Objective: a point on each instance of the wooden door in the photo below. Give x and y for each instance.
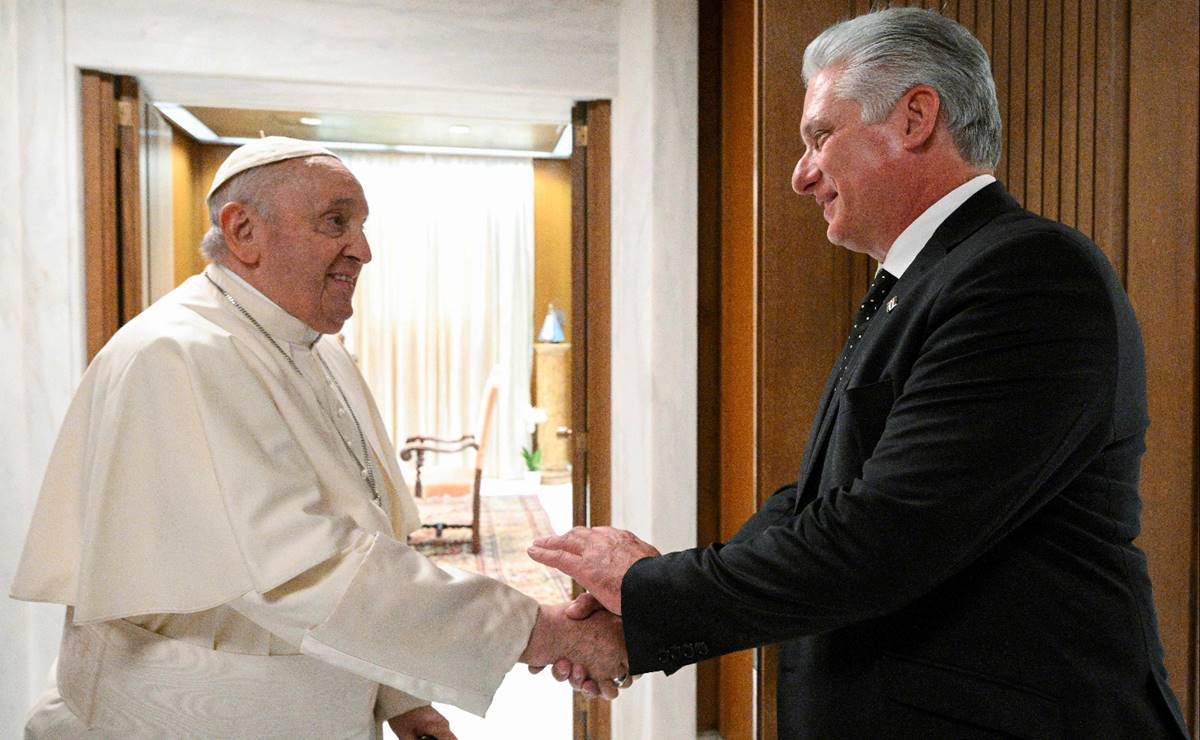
(127, 203)
(591, 335)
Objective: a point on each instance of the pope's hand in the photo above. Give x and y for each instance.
(421, 722)
(598, 558)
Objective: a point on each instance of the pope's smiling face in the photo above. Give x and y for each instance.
(314, 246)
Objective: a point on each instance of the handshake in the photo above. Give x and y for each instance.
(584, 640)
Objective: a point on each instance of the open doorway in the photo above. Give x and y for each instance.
(157, 233)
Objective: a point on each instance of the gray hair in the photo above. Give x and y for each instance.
(251, 188)
(884, 54)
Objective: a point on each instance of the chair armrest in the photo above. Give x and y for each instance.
(423, 438)
(408, 451)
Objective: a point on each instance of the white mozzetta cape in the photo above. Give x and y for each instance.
(194, 467)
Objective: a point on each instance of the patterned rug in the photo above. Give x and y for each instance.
(509, 524)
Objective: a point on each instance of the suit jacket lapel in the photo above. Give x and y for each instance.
(980, 209)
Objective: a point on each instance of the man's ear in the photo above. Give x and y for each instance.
(243, 230)
(919, 108)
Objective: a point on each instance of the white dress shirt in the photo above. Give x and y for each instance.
(913, 239)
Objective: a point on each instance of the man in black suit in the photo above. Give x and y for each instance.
(956, 558)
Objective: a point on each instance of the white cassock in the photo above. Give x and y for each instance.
(227, 574)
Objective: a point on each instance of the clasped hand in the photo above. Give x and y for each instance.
(598, 559)
(587, 644)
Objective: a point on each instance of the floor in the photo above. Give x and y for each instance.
(526, 706)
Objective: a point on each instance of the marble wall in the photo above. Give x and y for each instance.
(506, 58)
(41, 317)
(654, 160)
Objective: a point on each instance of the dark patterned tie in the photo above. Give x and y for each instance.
(880, 287)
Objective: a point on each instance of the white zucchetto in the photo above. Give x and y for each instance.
(267, 150)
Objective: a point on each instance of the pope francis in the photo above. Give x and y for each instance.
(223, 517)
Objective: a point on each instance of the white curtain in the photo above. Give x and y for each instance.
(448, 295)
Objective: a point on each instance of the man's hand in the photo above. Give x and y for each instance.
(421, 722)
(594, 645)
(598, 558)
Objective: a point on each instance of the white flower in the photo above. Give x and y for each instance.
(532, 416)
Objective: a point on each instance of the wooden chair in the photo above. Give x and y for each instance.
(435, 480)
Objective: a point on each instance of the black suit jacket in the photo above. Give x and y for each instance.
(956, 559)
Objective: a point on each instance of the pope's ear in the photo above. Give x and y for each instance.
(242, 228)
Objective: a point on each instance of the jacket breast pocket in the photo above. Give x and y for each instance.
(861, 416)
(954, 702)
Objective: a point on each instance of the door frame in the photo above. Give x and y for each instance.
(591, 336)
(110, 109)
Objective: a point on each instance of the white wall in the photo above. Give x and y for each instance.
(505, 58)
(41, 327)
(654, 316)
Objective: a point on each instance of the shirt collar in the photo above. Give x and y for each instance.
(277, 322)
(913, 239)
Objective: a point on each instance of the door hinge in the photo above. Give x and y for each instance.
(125, 112)
(581, 135)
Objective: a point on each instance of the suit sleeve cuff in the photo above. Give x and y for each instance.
(649, 645)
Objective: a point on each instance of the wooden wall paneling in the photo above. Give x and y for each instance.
(797, 303)
(965, 13)
(1000, 71)
(708, 339)
(1164, 166)
(1018, 127)
(981, 24)
(1085, 194)
(1068, 169)
(1051, 106)
(1035, 91)
(1112, 129)
(740, 137)
(851, 272)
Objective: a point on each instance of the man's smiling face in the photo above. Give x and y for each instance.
(850, 168)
